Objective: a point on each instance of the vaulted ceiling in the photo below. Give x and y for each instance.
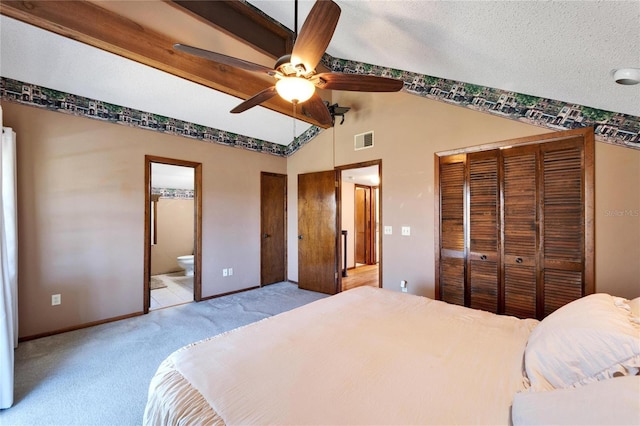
(120, 51)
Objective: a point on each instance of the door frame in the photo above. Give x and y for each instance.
(339, 248)
(197, 220)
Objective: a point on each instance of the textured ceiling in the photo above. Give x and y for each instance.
(562, 50)
(35, 56)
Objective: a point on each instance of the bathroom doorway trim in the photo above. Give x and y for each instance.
(197, 220)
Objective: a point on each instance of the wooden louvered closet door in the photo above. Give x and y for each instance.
(516, 224)
(484, 232)
(563, 222)
(451, 268)
(520, 231)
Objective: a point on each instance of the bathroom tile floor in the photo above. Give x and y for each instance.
(178, 290)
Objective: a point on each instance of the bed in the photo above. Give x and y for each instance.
(374, 356)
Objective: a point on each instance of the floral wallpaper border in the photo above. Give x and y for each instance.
(609, 127)
(183, 194)
(54, 100)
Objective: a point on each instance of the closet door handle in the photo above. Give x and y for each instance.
(483, 257)
(518, 260)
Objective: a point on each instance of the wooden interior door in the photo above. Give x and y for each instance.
(365, 221)
(373, 226)
(317, 232)
(360, 210)
(273, 202)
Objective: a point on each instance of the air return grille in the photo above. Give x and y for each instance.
(363, 140)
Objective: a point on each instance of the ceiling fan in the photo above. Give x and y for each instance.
(295, 74)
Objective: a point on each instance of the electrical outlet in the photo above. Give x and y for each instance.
(225, 272)
(406, 231)
(230, 271)
(56, 299)
(404, 285)
(388, 230)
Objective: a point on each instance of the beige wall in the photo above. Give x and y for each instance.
(81, 202)
(408, 131)
(81, 215)
(617, 220)
(175, 234)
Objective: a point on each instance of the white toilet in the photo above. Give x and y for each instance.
(186, 263)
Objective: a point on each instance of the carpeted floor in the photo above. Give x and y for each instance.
(100, 375)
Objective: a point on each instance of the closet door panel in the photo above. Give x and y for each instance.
(520, 230)
(561, 287)
(452, 248)
(484, 230)
(520, 294)
(562, 210)
(451, 282)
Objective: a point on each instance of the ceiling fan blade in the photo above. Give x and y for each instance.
(316, 108)
(256, 99)
(315, 34)
(223, 59)
(357, 82)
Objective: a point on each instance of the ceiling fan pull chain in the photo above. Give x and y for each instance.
(295, 104)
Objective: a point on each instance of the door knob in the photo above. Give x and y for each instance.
(299, 237)
(518, 260)
(483, 257)
(265, 235)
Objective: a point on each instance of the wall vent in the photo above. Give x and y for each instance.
(363, 140)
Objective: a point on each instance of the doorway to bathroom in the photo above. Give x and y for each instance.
(173, 242)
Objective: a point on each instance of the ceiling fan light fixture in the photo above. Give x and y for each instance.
(295, 89)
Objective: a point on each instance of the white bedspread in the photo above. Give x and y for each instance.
(365, 356)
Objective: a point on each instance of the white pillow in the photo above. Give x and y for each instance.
(587, 340)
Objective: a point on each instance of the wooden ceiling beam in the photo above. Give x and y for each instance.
(238, 19)
(90, 24)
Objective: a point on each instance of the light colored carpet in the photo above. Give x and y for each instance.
(100, 375)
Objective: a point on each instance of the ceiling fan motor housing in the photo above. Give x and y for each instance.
(285, 67)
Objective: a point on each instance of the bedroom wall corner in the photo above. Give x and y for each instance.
(617, 220)
(81, 215)
(408, 131)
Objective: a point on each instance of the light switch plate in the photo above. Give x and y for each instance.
(406, 230)
(388, 230)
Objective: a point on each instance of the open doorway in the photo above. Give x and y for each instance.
(173, 226)
(360, 211)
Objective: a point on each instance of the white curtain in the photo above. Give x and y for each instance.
(8, 265)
